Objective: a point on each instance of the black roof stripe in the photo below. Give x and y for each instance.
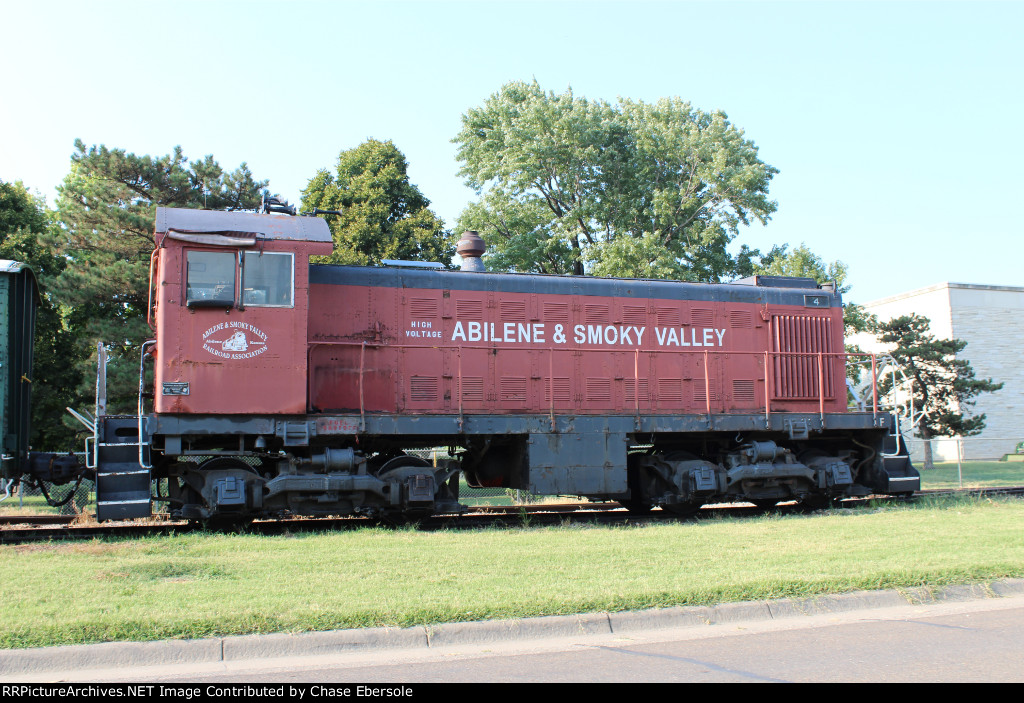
(640, 289)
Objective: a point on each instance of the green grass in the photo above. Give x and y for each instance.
(215, 584)
(976, 474)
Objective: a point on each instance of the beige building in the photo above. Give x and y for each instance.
(991, 320)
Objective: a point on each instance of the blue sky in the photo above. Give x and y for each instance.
(895, 126)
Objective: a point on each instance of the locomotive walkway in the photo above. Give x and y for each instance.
(208, 656)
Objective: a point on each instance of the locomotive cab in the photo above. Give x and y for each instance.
(234, 286)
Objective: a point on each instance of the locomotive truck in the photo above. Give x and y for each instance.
(284, 387)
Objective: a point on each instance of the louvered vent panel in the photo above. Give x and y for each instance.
(631, 387)
(743, 390)
(420, 308)
(670, 391)
(469, 309)
(669, 317)
(599, 390)
(556, 312)
(703, 317)
(741, 319)
(513, 389)
(700, 392)
(634, 314)
(598, 313)
(513, 311)
(423, 389)
(561, 390)
(801, 338)
(473, 389)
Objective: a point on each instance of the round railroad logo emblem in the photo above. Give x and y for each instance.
(235, 340)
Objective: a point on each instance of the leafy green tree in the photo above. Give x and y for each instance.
(944, 386)
(383, 215)
(24, 222)
(634, 189)
(106, 208)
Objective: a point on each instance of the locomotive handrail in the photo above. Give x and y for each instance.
(142, 390)
(149, 305)
(769, 377)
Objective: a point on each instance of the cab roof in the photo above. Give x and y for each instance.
(241, 224)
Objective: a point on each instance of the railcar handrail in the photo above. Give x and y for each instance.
(818, 358)
(142, 416)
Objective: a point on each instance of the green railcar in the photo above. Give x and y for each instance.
(19, 300)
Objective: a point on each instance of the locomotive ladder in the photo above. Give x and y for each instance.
(121, 459)
(122, 484)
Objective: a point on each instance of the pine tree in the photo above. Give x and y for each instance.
(107, 208)
(944, 386)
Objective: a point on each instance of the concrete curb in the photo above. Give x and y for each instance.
(248, 647)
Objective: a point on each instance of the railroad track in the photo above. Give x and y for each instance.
(21, 529)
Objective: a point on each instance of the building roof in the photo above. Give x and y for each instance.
(940, 286)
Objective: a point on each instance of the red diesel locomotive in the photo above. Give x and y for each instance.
(284, 387)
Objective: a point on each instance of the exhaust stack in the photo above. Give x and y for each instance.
(471, 247)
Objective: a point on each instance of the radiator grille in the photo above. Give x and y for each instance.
(801, 338)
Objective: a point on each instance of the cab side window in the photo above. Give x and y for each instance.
(268, 279)
(211, 279)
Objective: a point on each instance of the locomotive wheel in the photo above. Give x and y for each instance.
(681, 509)
(815, 501)
(399, 469)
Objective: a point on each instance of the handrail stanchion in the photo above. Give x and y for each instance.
(821, 387)
(874, 386)
(362, 404)
(767, 396)
(636, 385)
(551, 385)
(707, 387)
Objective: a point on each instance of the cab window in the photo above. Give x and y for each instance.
(211, 279)
(268, 279)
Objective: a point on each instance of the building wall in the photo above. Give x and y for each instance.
(989, 319)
